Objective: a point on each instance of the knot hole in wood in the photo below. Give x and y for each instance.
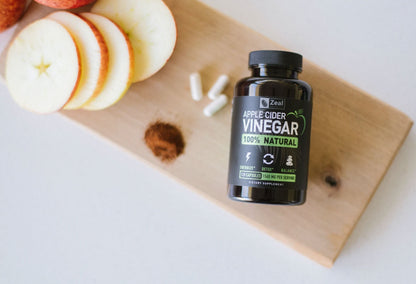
(330, 176)
(332, 181)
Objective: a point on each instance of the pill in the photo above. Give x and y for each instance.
(216, 105)
(196, 86)
(218, 87)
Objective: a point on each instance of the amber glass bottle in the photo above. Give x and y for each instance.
(270, 135)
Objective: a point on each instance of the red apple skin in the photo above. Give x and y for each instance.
(10, 12)
(64, 4)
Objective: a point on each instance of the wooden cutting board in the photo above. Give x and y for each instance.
(354, 136)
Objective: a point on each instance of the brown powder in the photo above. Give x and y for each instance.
(165, 140)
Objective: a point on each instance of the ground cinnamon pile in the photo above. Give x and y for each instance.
(165, 140)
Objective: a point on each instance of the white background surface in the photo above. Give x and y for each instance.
(73, 209)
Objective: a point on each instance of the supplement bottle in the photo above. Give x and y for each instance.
(270, 133)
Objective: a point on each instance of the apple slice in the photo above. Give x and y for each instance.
(94, 56)
(43, 67)
(150, 27)
(64, 4)
(120, 65)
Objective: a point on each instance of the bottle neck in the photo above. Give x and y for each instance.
(263, 71)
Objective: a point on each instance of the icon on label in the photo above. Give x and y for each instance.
(268, 159)
(264, 103)
(289, 161)
(248, 155)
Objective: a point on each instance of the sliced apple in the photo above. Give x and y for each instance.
(64, 4)
(120, 65)
(150, 27)
(94, 56)
(43, 67)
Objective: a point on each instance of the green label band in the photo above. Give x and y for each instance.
(267, 176)
(269, 140)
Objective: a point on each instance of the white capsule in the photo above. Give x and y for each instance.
(196, 86)
(216, 105)
(218, 87)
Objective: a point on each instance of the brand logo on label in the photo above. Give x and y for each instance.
(272, 103)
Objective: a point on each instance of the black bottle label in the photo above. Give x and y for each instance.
(270, 142)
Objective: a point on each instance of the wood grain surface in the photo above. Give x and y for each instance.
(355, 137)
